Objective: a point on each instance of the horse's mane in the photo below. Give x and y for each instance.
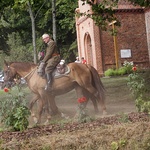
(23, 65)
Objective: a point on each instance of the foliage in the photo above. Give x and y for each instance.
(142, 104)
(125, 69)
(18, 51)
(136, 84)
(13, 110)
(2, 57)
(118, 145)
(122, 71)
(128, 65)
(82, 115)
(109, 72)
(12, 21)
(142, 3)
(123, 118)
(15, 20)
(140, 88)
(114, 72)
(103, 13)
(69, 52)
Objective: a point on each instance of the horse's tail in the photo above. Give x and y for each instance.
(97, 83)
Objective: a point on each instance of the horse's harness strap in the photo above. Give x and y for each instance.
(29, 73)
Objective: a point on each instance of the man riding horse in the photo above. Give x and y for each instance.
(50, 60)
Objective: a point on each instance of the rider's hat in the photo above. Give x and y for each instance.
(45, 35)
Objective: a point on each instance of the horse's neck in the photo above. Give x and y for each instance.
(25, 73)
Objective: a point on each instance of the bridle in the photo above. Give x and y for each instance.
(16, 75)
(7, 74)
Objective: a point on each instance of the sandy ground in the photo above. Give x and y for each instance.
(118, 100)
(68, 104)
(115, 104)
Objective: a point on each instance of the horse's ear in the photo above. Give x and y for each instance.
(5, 63)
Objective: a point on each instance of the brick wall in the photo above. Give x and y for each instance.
(131, 35)
(147, 23)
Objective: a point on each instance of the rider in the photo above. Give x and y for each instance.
(50, 60)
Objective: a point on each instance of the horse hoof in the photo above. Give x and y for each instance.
(64, 116)
(46, 122)
(35, 120)
(104, 113)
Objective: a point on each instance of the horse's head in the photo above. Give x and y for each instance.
(9, 74)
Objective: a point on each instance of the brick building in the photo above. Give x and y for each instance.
(132, 40)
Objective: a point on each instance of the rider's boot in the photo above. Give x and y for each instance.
(49, 80)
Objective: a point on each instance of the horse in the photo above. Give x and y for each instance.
(83, 78)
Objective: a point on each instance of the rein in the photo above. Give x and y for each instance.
(29, 73)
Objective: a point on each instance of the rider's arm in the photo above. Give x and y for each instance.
(49, 51)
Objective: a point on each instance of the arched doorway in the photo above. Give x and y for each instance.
(88, 48)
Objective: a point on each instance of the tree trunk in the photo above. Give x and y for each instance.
(33, 33)
(54, 20)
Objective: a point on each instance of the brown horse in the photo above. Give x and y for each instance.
(83, 78)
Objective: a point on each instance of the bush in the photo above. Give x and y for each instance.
(122, 71)
(109, 72)
(128, 66)
(13, 110)
(139, 84)
(112, 72)
(126, 69)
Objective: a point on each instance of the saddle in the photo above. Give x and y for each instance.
(60, 70)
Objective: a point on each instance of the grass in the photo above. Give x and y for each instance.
(117, 89)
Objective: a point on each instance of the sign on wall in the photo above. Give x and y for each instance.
(125, 53)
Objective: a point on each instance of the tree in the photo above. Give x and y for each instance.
(3, 31)
(66, 30)
(28, 6)
(16, 21)
(54, 19)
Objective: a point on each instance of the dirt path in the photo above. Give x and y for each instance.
(68, 104)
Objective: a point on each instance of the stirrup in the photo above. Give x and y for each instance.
(48, 87)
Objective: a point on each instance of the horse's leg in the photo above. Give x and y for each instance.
(44, 105)
(34, 99)
(94, 96)
(94, 101)
(40, 109)
(52, 105)
(80, 92)
(42, 102)
(54, 108)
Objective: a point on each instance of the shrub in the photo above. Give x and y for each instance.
(128, 66)
(126, 69)
(109, 72)
(136, 84)
(140, 87)
(122, 71)
(142, 104)
(13, 110)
